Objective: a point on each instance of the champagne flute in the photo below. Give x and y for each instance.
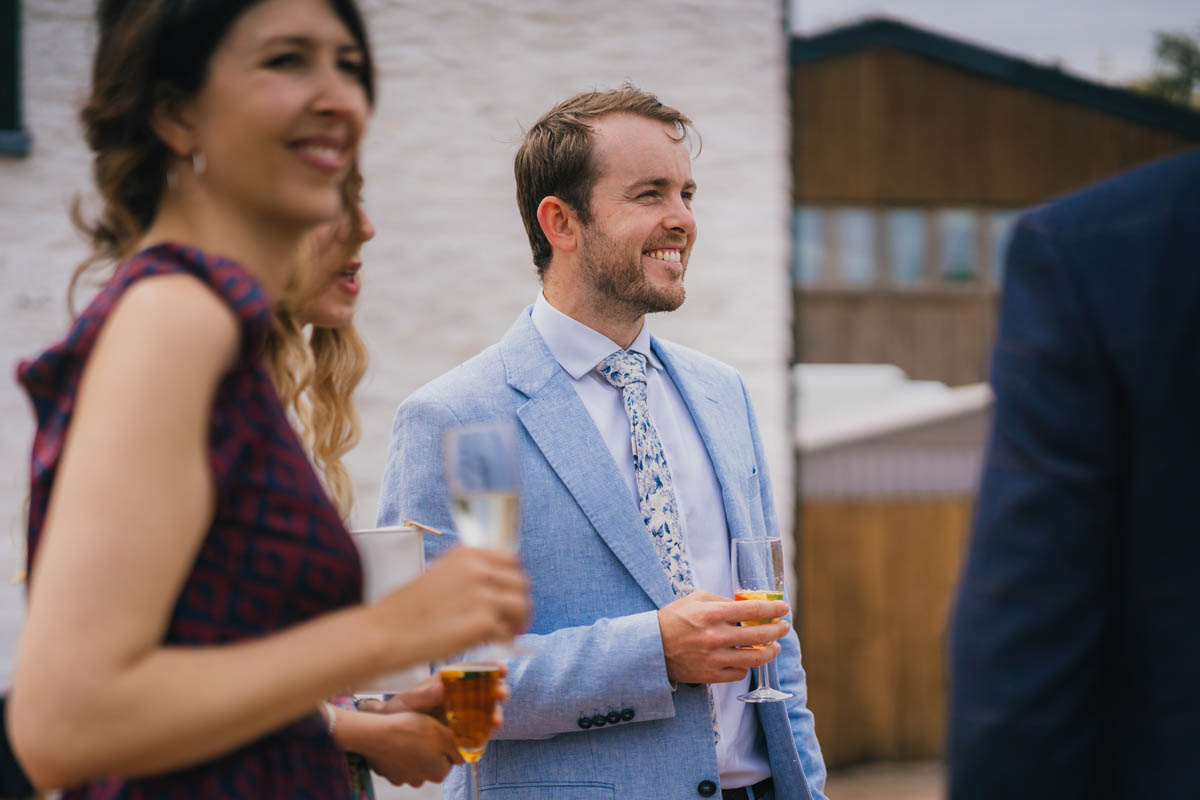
(469, 700)
(483, 474)
(758, 575)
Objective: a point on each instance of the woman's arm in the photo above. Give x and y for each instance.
(95, 693)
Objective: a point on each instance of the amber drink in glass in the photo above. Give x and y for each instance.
(469, 699)
(758, 575)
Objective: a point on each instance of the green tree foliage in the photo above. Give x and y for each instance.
(1177, 72)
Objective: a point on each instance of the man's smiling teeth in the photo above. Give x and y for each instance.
(664, 255)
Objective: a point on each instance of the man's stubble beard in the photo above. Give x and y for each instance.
(619, 282)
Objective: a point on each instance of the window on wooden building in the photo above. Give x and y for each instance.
(1002, 224)
(13, 139)
(958, 256)
(809, 253)
(859, 247)
(906, 245)
(855, 246)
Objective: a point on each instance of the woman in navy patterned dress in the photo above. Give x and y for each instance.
(187, 572)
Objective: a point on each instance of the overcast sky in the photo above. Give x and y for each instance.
(1104, 40)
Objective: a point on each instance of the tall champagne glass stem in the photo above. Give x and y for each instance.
(758, 575)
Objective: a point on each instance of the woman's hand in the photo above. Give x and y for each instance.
(426, 698)
(467, 597)
(405, 738)
(406, 747)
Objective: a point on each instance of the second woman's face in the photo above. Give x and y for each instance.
(281, 113)
(338, 248)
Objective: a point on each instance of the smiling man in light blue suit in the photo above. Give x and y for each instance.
(628, 686)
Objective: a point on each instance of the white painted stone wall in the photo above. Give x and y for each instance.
(450, 268)
(38, 249)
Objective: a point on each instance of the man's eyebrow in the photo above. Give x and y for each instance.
(662, 183)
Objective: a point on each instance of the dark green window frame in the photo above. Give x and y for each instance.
(14, 141)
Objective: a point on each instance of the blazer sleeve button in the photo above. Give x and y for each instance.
(626, 714)
(613, 717)
(599, 721)
(585, 722)
(706, 788)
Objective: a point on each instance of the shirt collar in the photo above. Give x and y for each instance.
(578, 348)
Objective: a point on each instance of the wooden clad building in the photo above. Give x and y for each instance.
(913, 155)
(886, 482)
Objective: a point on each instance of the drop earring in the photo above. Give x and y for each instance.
(199, 164)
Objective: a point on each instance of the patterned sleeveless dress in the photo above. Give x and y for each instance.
(277, 553)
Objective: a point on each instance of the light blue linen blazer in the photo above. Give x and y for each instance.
(597, 582)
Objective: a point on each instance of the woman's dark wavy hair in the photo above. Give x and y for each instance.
(150, 51)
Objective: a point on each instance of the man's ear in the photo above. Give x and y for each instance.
(172, 123)
(559, 223)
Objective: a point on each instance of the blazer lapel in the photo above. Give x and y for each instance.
(719, 413)
(716, 415)
(560, 426)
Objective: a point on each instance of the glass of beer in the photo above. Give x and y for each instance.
(469, 699)
(758, 575)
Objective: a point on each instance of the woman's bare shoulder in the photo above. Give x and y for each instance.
(174, 318)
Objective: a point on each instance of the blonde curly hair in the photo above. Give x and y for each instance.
(316, 373)
(316, 370)
(339, 362)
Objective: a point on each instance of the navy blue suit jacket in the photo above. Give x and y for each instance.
(1076, 632)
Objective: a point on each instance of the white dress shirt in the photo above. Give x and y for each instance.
(741, 753)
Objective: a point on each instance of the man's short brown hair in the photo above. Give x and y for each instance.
(555, 157)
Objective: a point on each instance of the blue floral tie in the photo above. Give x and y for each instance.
(626, 370)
